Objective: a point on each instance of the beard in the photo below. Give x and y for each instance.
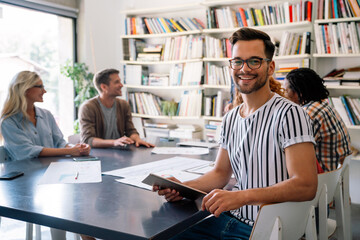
(260, 82)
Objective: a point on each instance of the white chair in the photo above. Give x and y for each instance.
(330, 187)
(29, 226)
(288, 220)
(346, 210)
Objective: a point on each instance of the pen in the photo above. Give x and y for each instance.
(77, 175)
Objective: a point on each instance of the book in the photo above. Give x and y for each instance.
(185, 191)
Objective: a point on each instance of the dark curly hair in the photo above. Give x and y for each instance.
(308, 85)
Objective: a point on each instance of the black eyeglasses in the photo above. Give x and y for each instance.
(39, 86)
(252, 63)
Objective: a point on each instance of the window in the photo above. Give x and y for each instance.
(41, 42)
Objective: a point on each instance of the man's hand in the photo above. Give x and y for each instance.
(139, 142)
(171, 195)
(123, 141)
(218, 201)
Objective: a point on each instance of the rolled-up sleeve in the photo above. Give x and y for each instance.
(17, 145)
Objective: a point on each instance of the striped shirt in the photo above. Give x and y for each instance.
(331, 135)
(256, 144)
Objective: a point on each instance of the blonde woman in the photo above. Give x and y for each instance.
(30, 131)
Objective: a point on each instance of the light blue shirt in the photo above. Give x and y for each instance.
(23, 140)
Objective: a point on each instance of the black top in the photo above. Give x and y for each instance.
(106, 210)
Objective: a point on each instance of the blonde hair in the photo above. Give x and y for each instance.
(16, 99)
(275, 86)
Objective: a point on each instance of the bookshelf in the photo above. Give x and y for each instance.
(321, 62)
(337, 47)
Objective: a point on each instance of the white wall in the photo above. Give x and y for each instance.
(99, 34)
(100, 26)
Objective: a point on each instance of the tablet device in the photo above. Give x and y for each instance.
(86, 158)
(185, 191)
(11, 175)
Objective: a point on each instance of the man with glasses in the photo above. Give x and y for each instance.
(266, 142)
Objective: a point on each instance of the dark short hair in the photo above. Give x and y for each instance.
(308, 85)
(103, 77)
(248, 34)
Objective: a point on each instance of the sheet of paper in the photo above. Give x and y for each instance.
(180, 150)
(175, 163)
(72, 172)
(137, 181)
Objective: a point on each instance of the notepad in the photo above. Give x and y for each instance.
(198, 144)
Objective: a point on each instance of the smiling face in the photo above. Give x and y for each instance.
(114, 87)
(249, 80)
(35, 93)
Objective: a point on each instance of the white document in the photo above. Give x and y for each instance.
(175, 167)
(175, 163)
(72, 172)
(180, 150)
(137, 181)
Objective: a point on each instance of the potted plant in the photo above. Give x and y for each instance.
(83, 86)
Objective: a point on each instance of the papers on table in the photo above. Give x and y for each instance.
(180, 150)
(175, 166)
(181, 175)
(72, 172)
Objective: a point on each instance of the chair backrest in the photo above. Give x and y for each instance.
(345, 212)
(288, 220)
(331, 180)
(74, 139)
(3, 155)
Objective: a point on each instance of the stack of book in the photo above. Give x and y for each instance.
(337, 38)
(217, 75)
(145, 103)
(185, 74)
(348, 109)
(158, 129)
(144, 25)
(345, 77)
(267, 15)
(159, 79)
(150, 53)
(184, 47)
(294, 44)
(328, 9)
(284, 69)
(210, 130)
(186, 131)
(214, 105)
(217, 48)
(190, 103)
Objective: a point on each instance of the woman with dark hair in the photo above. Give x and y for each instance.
(305, 87)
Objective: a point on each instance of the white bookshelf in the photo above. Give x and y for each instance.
(319, 62)
(160, 62)
(332, 55)
(161, 35)
(176, 88)
(212, 118)
(335, 20)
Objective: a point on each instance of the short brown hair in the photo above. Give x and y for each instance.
(103, 77)
(247, 34)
